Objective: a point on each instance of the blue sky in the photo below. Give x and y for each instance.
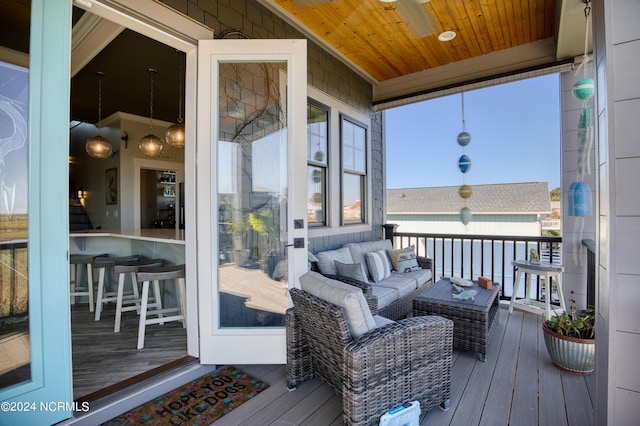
(515, 137)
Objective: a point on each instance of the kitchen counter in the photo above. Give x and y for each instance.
(172, 236)
(167, 244)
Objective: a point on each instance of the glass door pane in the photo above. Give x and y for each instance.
(15, 353)
(252, 194)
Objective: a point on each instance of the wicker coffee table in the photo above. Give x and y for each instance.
(473, 320)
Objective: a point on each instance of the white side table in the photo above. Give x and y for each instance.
(547, 270)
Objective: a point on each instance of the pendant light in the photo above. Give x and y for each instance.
(151, 145)
(175, 132)
(98, 146)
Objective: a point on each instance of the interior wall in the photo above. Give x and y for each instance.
(617, 59)
(89, 173)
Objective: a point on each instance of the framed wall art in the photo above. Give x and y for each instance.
(111, 186)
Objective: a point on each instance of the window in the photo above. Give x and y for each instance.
(353, 137)
(317, 143)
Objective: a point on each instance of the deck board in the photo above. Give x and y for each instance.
(501, 387)
(484, 393)
(524, 409)
(579, 407)
(549, 388)
(516, 385)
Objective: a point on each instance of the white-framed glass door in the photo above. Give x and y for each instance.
(251, 195)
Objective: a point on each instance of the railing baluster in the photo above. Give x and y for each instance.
(498, 265)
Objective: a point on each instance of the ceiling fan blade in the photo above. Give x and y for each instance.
(416, 17)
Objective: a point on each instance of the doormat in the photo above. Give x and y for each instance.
(201, 402)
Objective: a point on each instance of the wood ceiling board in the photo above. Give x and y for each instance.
(376, 38)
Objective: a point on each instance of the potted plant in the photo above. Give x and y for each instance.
(570, 340)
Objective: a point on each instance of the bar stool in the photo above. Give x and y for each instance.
(155, 274)
(103, 263)
(76, 262)
(131, 267)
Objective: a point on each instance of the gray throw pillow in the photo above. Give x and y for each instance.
(352, 270)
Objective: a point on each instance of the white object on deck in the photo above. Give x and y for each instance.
(548, 271)
(406, 414)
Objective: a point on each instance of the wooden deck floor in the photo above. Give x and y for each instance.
(517, 385)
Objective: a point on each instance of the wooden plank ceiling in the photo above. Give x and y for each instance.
(393, 39)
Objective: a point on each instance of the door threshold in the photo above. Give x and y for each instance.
(119, 398)
(135, 380)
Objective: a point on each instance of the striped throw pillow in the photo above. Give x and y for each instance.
(379, 265)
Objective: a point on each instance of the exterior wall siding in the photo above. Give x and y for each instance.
(617, 59)
(324, 72)
(524, 225)
(575, 229)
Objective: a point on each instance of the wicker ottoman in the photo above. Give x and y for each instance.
(473, 320)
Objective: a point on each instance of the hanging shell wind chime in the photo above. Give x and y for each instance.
(579, 202)
(464, 165)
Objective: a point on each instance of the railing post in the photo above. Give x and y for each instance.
(389, 231)
(591, 271)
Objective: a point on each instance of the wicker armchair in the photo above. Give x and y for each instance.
(381, 369)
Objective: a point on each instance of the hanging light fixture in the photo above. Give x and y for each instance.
(98, 146)
(151, 145)
(175, 132)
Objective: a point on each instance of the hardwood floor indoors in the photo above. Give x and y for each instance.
(102, 358)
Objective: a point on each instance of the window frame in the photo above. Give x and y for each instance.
(334, 171)
(364, 202)
(326, 166)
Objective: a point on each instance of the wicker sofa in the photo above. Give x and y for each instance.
(391, 298)
(375, 368)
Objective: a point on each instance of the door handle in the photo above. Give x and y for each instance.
(297, 243)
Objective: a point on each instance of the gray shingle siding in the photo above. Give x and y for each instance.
(324, 72)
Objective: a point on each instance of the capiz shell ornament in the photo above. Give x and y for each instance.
(464, 139)
(464, 163)
(584, 89)
(465, 191)
(465, 215)
(580, 203)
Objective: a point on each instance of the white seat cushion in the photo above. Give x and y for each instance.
(404, 285)
(326, 260)
(385, 295)
(421, 276)
(348, 297)
(382, 321)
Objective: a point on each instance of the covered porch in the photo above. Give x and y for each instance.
(517, 385)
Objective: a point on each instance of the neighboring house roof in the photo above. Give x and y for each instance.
(518, 198)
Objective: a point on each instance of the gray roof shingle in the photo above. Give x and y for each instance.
(528, 197)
